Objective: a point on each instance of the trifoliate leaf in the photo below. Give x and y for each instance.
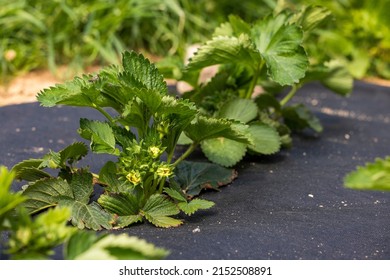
(194, 205)
(140, 73)
(223, 50)
(207, 128)
(90, 216)
(223, 151)
(121, 247)
(243, 110)
(280, 46)
(265, 139)
(125, 206)
(372, 176)
(100, 134)
(298, 117)
(157, 210)
(192, 177)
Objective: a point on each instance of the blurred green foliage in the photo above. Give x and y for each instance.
(44, 34)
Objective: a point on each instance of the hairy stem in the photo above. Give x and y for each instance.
(289, 95)
(104, 113)
(190, 149)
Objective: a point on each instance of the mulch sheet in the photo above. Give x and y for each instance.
(288, 206)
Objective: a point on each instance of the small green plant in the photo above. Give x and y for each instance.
(268, 53)
(372, 176)
(36, 237)
(142, 127)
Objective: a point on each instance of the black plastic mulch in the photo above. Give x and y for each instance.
(288, 206)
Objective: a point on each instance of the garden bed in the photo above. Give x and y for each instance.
(291, 205)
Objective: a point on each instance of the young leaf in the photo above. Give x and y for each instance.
(73, 152)
(243, 110)
(26, 165)
(120, 247)
(309, 17)
(224, 49)
(280, 46)
(332, 75)
(194, 205)
(223, 151)
(140, 73)
(207, 128)
(192, 177)
(265, 139)
(72, 93)
(372, 176)
(298, 117)
(157, 210)
(100, 134)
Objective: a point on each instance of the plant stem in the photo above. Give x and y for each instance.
(254, 80)
(100, 109)
(290, 95)
(190, 149)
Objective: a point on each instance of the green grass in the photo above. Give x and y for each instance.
(38, 34)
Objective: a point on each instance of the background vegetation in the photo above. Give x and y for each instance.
(44, 34)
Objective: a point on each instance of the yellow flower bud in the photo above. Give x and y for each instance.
(164, 171)
(154, 151)
(134, 177)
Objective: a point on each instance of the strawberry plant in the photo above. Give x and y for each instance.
(269, 53)
(36, 237)
(142, 126)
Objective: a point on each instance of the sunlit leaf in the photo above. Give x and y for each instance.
(372, 176)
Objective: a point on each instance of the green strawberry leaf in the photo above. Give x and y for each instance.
(206, 128)
(46, 193)
(73, 152)
(194, 205)
(114, 247)
(141, 74)
(90, 216)
(192, 177)
(157, 210)
(8, 199)
(372, 176)
(298, 117)
(223, 151)
(223, 50)
(125, 206)
(280, 46)
(100, 134)
(243, 110)
(309, 17)
(265, 139)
